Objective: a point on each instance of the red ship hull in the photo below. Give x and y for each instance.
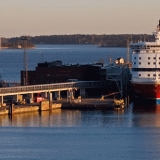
(149, 91)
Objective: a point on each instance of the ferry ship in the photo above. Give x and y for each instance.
(146, 68)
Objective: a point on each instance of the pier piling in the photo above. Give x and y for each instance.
(11, 109)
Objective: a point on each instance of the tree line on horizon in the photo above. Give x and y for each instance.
(119, 40)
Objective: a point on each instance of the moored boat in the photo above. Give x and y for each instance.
(146, 68)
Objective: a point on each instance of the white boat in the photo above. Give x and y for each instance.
(146, 68)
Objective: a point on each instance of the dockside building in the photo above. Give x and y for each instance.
(57, 72)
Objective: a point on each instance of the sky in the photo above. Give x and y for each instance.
(57, 17)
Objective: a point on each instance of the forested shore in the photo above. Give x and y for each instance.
(119, 40)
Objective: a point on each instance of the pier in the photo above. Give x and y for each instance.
(83, 104)
(75, 93)
(48, 89)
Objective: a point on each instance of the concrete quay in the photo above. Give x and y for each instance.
(72, 104)
(23, 108)
(88, 103)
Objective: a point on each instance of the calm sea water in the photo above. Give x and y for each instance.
(74, 134)
(12, 60)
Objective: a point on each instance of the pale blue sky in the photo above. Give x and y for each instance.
(49, 17)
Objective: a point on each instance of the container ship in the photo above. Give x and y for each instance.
(146, 68)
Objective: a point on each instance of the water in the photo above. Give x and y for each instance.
(133, 133)
(74, 134)
(12, 61)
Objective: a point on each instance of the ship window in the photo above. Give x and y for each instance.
(149, 63)
(139, 75)
(159, 62)
(154, 57)
(153, 51)
(159, 57)
(139, 62)
(148, 75)
(134, 62)
(134, 57)
(149, 57)
(154, 75)
(154, 62)
(139, 57)
(159, 74)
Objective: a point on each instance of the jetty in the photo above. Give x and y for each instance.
(72, 104)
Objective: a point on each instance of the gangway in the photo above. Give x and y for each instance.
(49, 87)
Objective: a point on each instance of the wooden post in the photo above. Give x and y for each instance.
(11, 109)
(128, 100)
(50, 105)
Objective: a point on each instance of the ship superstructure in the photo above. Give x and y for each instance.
(146, 68)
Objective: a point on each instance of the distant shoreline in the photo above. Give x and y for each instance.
(16, 48)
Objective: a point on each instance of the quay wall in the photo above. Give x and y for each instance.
(14, 109)
(84, 104)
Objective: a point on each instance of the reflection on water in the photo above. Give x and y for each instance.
(46, 118)
(142, 115)
(146, 115)
(92, 134)
(64, 118)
